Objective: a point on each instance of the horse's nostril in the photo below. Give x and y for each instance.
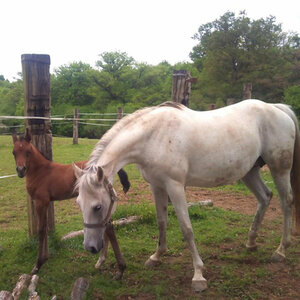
(93, 250)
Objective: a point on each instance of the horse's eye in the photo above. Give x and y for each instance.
(97, 208)
(14, 153)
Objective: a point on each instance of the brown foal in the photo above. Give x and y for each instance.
(49, 181)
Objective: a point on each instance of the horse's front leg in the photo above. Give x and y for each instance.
(115, 245)
(42, 217)
(177, 195)
(161, 202)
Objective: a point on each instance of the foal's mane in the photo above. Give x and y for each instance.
(111, 133)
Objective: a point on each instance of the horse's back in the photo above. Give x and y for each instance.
(219, 146)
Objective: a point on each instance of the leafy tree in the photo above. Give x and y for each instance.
(292, 97)
(70, 85)
(235, 50)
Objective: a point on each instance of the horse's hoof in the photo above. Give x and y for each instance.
(199, 285)
(251, 247)
(152, 263)
(98, 265)
(278, 257)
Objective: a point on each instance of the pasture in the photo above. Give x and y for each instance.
(220, 234)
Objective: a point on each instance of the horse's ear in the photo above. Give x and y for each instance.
(77, 171)
(100, 174)
(14, 136)
(27, 135)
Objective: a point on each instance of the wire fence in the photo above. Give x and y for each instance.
(59, 120)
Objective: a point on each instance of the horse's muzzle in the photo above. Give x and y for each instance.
(21, 171)
(94, 248)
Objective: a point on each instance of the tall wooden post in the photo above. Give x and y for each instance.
(181, 87)
(36, 78)
(247, 91)
(75, 126)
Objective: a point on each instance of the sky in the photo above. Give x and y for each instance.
(150, 31)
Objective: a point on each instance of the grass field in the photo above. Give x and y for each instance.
(231, 271)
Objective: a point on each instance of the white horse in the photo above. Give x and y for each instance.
(174, 147)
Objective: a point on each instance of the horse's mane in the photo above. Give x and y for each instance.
(111, 133)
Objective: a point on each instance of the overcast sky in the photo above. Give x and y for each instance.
(148, 30)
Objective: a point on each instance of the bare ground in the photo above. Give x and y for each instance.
(285, 281)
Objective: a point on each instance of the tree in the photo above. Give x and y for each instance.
(70, 85)
(235, 50)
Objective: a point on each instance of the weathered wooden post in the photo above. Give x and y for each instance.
(36, 78)
(247, 90)
(181, 87)
(75, 126)
(119, 113)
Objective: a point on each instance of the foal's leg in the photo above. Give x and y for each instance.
(177, 195)
(43, 252)
(161, 202)
(115, 245)
(263, 196)
(282, 182)
(103, 253)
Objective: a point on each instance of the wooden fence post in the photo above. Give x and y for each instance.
(247, 90)
(36, 79)
(181, 87)
(119, 113)
(75, 126)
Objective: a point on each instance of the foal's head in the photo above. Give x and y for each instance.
(97, 200)
(22, 151)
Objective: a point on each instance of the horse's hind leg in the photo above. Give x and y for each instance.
(161, 201)
(282, 182)
(263, 196)
(177, 195)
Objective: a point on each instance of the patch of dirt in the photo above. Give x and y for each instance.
(282, 284)
(237, 202)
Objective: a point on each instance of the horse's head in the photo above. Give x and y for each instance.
(97, 200)
(22, 150)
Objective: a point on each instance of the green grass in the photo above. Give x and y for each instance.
(232, 272)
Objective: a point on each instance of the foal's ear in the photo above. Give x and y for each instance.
(100, 174)
(14, 136)
(27, 135)
(77, 171)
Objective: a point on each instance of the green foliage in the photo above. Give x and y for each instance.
(292, 97)
(236, 50)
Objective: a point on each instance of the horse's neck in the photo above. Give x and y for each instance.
(37, 161)
(118, 154)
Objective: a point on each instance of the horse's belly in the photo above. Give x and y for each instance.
(218, 173)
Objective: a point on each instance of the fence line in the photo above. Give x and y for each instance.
(6, 176)
(49, 119)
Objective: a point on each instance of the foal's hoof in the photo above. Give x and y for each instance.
(251, 247)
(278, 257)
(199, 285)
(152, 263)
(98, 264)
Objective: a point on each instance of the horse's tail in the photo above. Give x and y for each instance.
(295, 173)
(124, 180)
